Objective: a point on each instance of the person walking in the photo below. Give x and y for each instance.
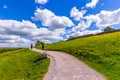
(42, 45)
(31, 46)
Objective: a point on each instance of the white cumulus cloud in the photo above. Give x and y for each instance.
(41, 1)
(13, 41)
(105, 18)
(102, 20)
(108, 18)
(92, 4)
(13, 27)
(77, 14)
(49, 19)
(47, 35)
(82, 25)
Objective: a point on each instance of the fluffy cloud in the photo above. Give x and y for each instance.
(8, 37)
(82, 25)
(13, 27)
(12, 30)
(92, 4)
(102, 20)
(105, 18)
(41, 1)
(47, 35)
(13, 41)
(49, 19)
(25, 45)
(77, 14)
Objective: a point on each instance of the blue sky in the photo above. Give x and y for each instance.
(24, 21)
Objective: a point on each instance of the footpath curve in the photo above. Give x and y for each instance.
(66, 67)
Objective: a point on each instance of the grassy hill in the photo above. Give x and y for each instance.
(101, 52)
(19, 65)
(2, 50)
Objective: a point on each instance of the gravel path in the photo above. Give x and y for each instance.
(66, 67)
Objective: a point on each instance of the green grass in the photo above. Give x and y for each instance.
(101, 52)
(2, 50)
(20, 65)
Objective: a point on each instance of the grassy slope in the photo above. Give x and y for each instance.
(101, 52)
(2, 50)
(19, 65)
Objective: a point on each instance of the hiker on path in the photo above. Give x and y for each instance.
(42, 45)
(31, 46)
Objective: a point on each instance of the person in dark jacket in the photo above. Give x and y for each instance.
(42, 45)
(31, 46)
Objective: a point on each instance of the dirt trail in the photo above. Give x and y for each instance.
(66, 67)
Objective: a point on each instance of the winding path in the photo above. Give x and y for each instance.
(66, 67)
